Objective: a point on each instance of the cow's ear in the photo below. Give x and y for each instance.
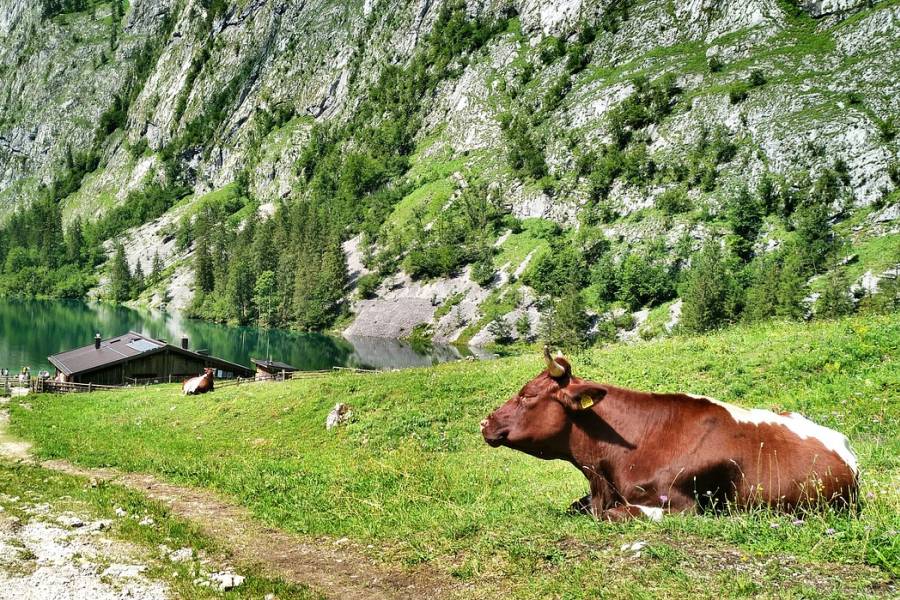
(581, 396)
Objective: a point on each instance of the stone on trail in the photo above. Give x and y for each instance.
(123, 571)
(146, 522)
(70, 521)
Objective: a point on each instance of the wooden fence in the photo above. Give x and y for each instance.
(41, 386)
(51, 386)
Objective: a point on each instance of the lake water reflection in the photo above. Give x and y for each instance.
(31, 330)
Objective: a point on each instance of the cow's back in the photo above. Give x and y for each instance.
(691, 449)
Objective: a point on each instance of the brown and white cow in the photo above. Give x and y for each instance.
(200, 384)
(647, 453)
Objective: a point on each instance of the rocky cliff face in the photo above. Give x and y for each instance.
(831, 92)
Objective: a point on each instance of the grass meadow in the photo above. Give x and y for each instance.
(410, 481)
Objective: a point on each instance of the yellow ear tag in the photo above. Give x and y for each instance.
(587, 402)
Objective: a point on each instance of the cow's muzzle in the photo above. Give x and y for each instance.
(492, 435)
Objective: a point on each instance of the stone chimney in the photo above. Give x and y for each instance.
(97, 342)
(184, 342)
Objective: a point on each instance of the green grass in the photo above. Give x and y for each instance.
(876, 254)
(411, 475)
(519, 245)
(65, 493)
(430, 198)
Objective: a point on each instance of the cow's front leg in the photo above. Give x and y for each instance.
(602, 495)
(582, 506)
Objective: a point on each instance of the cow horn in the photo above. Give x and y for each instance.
(553, 367)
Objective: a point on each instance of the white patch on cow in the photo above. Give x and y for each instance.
(797, 423)
(191, 385)
(654, 513)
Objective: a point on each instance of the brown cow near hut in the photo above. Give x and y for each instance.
(648, 453)
(200, 384)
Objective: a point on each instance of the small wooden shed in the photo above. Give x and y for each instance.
(271, 369)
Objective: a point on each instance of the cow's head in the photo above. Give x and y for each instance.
(208, 373)
(539, 418)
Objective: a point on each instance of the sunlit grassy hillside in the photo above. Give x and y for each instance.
(411, 477)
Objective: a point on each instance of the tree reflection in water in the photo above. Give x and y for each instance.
(31, 330)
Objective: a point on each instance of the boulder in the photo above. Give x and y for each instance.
(339, 415)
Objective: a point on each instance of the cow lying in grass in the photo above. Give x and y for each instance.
(198, 385)
(647, 453)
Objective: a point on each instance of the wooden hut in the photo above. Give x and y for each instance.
(135, 358)
(271, 369)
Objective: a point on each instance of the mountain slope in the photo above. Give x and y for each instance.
(630, 124)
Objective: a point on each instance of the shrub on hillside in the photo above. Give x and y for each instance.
(738, 92)
(644, 281)
(367, 284)
(886, 299)
(604, 279)
(577, 57)
(557, 269)
(555, 94)
(501, 330)
(483, 270)
(673, 201)
(551, 48)
(757, 78)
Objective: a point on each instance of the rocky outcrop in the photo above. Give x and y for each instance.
(820, 8)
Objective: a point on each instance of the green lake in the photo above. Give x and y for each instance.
(32, 330)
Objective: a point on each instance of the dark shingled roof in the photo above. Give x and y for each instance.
(273, 365)
(122, 349)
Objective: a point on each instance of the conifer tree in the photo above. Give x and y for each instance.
(835, 299)
(565, 323)
(203, 268)
(791, 286)
(240, 289)
(265, 298)
(74, 242)
(120, 276)
(156, 269)
(707, 291)
(137, 280)
(745, 217)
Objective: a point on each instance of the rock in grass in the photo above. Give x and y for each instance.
(339, 415)
(181, 555)
(101, 525)
(226, 581)
(634, 548)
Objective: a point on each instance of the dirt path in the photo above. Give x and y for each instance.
(330, 568)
